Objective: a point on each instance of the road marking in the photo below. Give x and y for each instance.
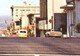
(36, 55)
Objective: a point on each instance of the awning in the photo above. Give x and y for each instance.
(67, 7)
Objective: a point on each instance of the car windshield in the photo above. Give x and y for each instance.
(22, 31)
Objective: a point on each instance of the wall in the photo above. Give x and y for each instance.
(58, 4)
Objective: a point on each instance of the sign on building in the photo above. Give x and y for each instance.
(42, 25)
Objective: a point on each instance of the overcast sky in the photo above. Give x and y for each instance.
(6, 4)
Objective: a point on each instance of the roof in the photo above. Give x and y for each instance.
(67, 7)
(24, 6)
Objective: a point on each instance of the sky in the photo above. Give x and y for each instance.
(6, 4)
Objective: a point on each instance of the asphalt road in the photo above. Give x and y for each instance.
(38, 45)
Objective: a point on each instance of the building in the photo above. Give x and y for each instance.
(20, 12)
(33, 24)
(43, 10)
(48, 8)
(73, 17)
(51, 12)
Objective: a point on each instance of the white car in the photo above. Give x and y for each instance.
(3, 35)
(22, 33)
(53, 33)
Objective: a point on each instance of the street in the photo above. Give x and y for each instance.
(38, 45)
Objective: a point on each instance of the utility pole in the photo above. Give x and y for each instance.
(50, 13)
(53, 14)
(6, 23)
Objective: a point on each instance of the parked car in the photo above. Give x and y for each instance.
(53, 33)
(22, 33)
(3, 35)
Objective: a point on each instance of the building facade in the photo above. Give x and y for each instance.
(20, 12)
(47, 10)
(73, 18)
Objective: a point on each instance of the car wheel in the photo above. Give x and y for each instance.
(47, 35)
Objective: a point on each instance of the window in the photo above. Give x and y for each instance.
(16, 12)
(17, 22)
(16, 9)
(22, 10)
(28, 10)
(34, 10)
(22, 15)
(22, 31)
(16, 15)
